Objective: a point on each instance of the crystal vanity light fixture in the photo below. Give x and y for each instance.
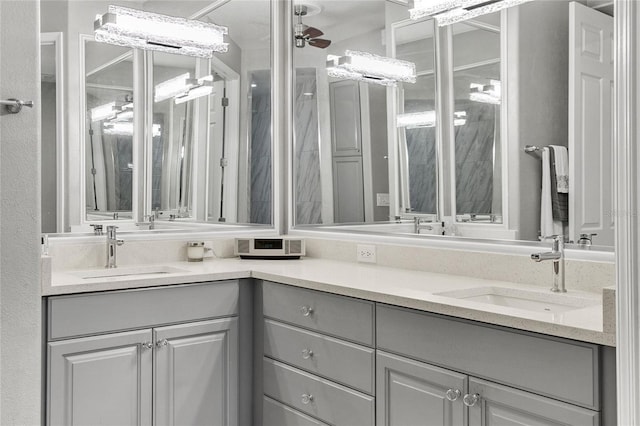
(183, 86)
(487, 93)
(104, 112)
(125, 113)
(415, 120)
(363, 66)
(125, 128)
(447, 12)
(152, 31)
(194, 93)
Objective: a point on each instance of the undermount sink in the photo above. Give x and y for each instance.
(128, 271)
(533, 301)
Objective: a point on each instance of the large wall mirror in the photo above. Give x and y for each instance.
(460, 150)
(144, 158)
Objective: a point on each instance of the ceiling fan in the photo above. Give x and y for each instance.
(305, 34)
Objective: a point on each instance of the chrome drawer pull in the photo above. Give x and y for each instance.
(147, 345)
(161, 343)
(307, 353)
(307, 398)
(471, 400)
(453, 394)
(306, 310)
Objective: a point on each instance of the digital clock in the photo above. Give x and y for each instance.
(269, 248)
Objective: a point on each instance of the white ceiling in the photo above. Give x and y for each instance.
(249, 20)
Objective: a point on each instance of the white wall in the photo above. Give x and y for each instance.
(20, 303)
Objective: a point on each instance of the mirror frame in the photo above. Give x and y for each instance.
(77, 216)
(57, 40)
(138, 110)
(594, 253)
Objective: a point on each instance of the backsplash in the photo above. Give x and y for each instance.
(88, 255)
(579, 274)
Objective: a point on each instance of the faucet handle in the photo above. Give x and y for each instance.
(586, 239)
(97, 228)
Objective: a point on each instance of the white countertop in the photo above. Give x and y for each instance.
(401, 287)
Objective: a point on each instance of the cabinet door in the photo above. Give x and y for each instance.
(346, 130)
(101, 380)
(196, 373)
(505, 406)
(413, 393)
(348, 190)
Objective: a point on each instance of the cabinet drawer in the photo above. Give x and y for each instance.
(553, 367)
(344, 362)
(95, 313)
(276, 414)
(340, 316)
(329, 402)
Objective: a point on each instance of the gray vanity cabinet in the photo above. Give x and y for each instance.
(439, 368)
(101, 380)
(177, 366)
(413, 392)
(319, 358)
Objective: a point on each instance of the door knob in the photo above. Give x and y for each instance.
(306, 310)
(453, 394)
(471, 400)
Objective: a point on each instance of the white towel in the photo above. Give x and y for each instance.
(562, 168)
(548, 226)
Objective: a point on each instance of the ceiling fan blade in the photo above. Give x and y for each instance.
(319, 42)
(312, 32)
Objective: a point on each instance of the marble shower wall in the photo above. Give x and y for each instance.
(260, 168)
(474, 156)
(308, 194)
(421, 154)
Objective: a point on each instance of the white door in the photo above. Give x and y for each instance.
(591, 125)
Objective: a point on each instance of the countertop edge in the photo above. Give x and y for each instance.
(235, 269)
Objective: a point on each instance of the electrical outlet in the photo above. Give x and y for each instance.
(382, 200)
(366, 253)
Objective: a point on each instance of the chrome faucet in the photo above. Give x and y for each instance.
(557, 255)
(150, 225)
(418, 225)
(112, 243)
(586, 240)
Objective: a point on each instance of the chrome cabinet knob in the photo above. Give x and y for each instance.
(161, 343)
(453, 394)
(307, 398)
(307, 353)
(147, 345)
(306, 310)
(471, 400)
